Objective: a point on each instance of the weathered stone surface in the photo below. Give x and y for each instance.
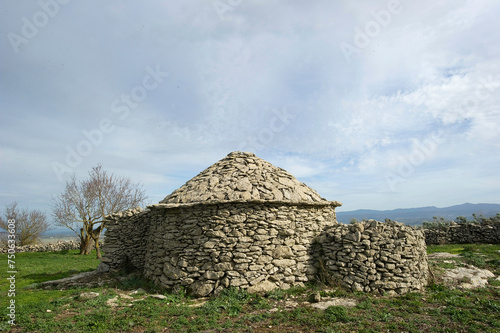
(469, 278)
(88, 295)
(243, 176)
(102, 267)
(262, 287)
(375, 256)
(172, 272)
(201, 288)
(211, 275)
(339, 301)
(284, 262)
(282, 252)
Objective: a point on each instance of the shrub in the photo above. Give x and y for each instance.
(337, 314)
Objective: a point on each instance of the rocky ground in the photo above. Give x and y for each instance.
(124, 298)
(449, 269)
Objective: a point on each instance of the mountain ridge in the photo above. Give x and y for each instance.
(417, 215)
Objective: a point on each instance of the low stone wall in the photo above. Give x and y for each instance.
(374, 256)
(256, 246)
(52, 247)
(464, 234)
(263, 246)
(126, 240)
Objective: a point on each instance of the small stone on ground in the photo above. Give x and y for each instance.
(327, 302)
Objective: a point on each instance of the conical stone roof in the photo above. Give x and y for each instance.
(243, 177)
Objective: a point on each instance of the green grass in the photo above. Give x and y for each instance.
(36, 267)
(437, 309)
(450, 248)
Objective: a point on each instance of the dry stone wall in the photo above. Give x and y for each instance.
(374, 256)
(125, 240)
(257, 246)
(50, 247)
(464, 234)
(260, 246)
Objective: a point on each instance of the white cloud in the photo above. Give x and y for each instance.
(352, 121)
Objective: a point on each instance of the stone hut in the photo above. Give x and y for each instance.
(245, 223)
(242, 222)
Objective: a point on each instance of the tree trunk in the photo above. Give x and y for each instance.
(96, 235)
(85, 245)
(85, 242)
(98, 249)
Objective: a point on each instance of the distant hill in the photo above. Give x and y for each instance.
(59, 231)
(415, 216)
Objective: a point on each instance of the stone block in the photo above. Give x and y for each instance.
(284, 262)
(237, 282)
(201, 288)
(262, 287)
(211, 275)
(224, 266)
(282, 252)
(172, 272)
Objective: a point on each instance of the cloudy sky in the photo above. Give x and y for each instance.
(377, 104)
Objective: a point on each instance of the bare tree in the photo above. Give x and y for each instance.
(30, 224)
(84, 204)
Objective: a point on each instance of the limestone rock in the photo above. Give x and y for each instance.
(158, 296)
(262, 287)
(327, 302)
(468, 278)
(88, 295)
(282, 252)
(200, 289)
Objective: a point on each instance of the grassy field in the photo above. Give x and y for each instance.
(118, 309)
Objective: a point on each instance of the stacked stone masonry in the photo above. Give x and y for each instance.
(245, 223)
(50, 247)
(374, 256)
(126, 240)
(464, 234)
(254, 246)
